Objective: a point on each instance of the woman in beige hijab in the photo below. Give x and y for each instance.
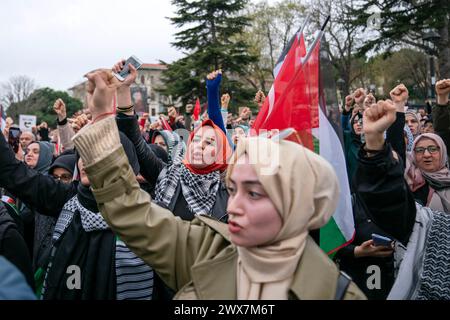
(278, 192)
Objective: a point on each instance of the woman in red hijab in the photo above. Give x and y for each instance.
(194, 185)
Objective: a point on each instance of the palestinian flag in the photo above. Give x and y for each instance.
(308, 105)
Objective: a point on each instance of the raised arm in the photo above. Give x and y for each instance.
(379, 180)
(212, 89)
(395, 133)
(441, 112)
(39, 191)
(127, 122)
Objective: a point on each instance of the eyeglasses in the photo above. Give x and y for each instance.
(431, 149)
(64, 177)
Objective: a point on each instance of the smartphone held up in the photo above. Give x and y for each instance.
(126, 69)
(14, 138)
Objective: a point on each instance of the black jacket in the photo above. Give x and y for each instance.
(381, 195)
(13, 247)
(151, 166)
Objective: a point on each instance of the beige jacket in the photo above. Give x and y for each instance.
(194, 258)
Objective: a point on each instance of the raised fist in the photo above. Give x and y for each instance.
(359, 95)
(213, 74)
(399, 94)
(225, 100)
(260, 97)
(442, 91)
(370, 100)
(101, 88)
(78, 122)
(379, 117)
(349, 101)
(60, 108)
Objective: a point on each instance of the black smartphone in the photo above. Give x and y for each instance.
(14, 138)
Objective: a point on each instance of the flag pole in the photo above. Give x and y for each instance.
(316, 40)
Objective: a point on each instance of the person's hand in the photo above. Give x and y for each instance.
(442, 91)
(225, 101)
(101, 87)
(399, 96)
(156, 125)
(19, 153)
(349, 101)
(213, 75)
(376, 120)
(60, 108)
(367, 249)
(131, 78)
(78, 122)
(260, 97)
(8, 122)
(369, 100)
(359, 95)
(180, 119)
(245, 113)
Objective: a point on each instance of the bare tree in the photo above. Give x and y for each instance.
(17, 89)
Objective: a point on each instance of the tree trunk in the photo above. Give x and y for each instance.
(444, 50)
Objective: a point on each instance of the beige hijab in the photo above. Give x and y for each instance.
(304, 189)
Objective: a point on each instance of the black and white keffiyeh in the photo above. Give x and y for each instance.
(134, 278)
(200, 191)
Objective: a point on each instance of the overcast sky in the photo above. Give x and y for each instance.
(56, 42)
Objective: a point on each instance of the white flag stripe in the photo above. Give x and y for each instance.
(331, 150)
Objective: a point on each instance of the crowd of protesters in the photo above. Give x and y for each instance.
(112, 206)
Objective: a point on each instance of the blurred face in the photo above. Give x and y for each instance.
(160, 142)
(412, 123)
(203, 147)
(252, 217)
(229, 118)
(357, 126)
(63, 175)
(422, 112)
(238, 133)
(428, 128)
(32, 155)
(83, 176)
(428, 155)
(25, 139)
(172, 112)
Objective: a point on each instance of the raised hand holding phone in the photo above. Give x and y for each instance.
(125, 69)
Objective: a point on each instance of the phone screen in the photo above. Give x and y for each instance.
(14, 138)
(126, 69)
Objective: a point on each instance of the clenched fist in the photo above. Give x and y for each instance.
(101, 88)
(442, 91)
(376, 120)
(359, 95)
(225, 100)
(400, 95)
(349, 101)
(369, 100)
(60, 108)
(260, 97)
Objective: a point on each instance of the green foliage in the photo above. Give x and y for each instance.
(40, 104)
(208, 36)
(405, 23)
